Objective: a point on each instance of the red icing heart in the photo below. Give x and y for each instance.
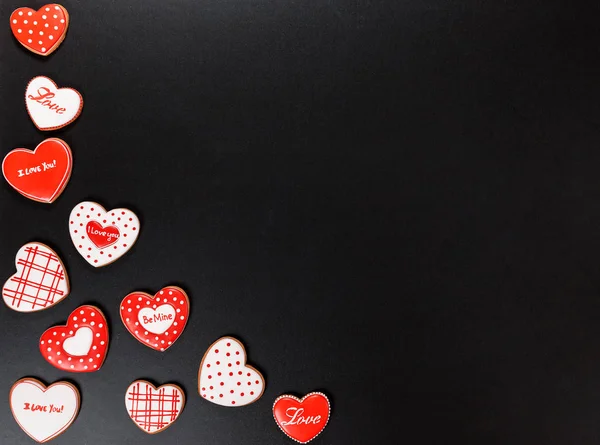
(302, 419)
(156, 321)
(41, 174)
(40, 31)
(80, 345)
(102, 236)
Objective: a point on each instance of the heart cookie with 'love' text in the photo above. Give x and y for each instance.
(41, 31)
(101, 236)
(80, 345)
(51, 107)
(302, 419)
(225, 379)
(43, 412)
(41, 174)
(156, 321)
(153, 409)
(40, 282)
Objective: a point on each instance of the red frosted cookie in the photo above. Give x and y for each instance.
(80, 345)
(41, 174)
(40, 282)
(225, 379)
(40, 31)
(153, 409)
(302, 419)
(156, 321)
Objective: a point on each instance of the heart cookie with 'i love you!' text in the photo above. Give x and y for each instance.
(156, 321)
(80, 345)
(41, 31)
(43, 412)
(41, 174)
(101, 236)
(50, 107)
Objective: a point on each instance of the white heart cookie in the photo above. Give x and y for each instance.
(101, 236)
(43, 413)
(153, 409)
(40, 282)
(225, 379)
(51, 107)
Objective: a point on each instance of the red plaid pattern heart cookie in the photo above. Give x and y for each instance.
(302, 419)
(40, 282)
(154, 409)
(41, 174)
(225, 379)
(156, 321)
(40, 31)
(80, 345)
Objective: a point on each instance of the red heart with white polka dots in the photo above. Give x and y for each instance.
(80, 345)
(101, 236)
(225, 379)
(156, 321)
(40, 31)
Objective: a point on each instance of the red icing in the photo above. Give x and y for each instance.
(58, 357)
(134, 303)
(303, 419)
(41, 174)
(100, 235)
(24, 20)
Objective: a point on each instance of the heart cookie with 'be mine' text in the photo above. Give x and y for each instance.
(41, 174)
(156, 321)
(51, 107)
(41, 31)
(101, 236)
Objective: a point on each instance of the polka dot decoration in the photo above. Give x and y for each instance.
(40, 31)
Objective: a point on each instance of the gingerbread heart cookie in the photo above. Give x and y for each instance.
(79, 346)
(302, 419)
(225, 379)
(101, 236)
(51, 107)
(41, 174)
(41, 31)
(153, 409)
(156, 321)
(40, 282)
(43, 412)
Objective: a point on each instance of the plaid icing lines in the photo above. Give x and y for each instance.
(153, 409)
(40, 282)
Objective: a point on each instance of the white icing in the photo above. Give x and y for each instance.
(55, 408)
(98, 257)
(157, 320)
(80, 343)
(221, 393)
(51, 107)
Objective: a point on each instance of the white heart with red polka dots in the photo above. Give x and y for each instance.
(101, 236)
(225, 379)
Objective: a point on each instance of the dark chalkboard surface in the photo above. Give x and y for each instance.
(393, 202)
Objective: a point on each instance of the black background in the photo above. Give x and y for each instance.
(394, 202)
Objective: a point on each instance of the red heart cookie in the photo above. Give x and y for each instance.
(41, 174)
(302, 419)
(80, 345)
(40, 31)
(156, 321)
